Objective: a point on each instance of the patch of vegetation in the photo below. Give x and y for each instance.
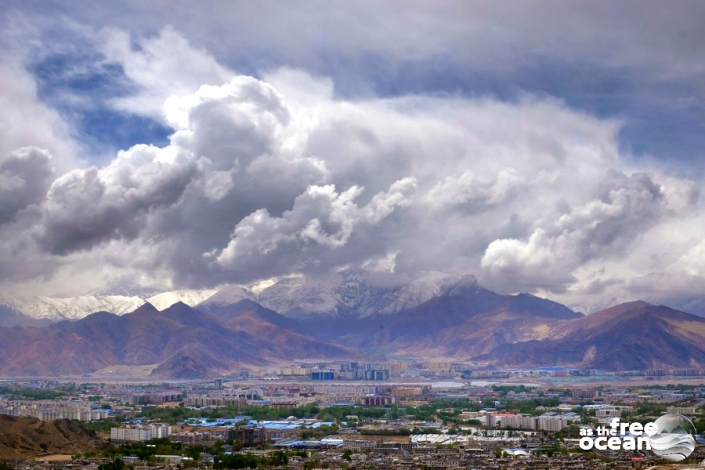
(101, 426)
(31, 393)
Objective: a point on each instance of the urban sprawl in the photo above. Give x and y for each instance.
(435, 413)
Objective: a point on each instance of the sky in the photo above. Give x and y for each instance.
(547, 147)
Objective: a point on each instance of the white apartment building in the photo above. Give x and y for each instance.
(138, 433)
(51, 410)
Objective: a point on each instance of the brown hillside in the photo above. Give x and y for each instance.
(23, 438)
(631, 336)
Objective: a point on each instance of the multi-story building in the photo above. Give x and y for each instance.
(294, 371)
(156, 398)
(46, 410)
(610, 411)
(585, 393)
(549, 422)
(139, 433)
(250, 436)
(203, 400)
(688, 409)
(377, 400)
(405, 392)
(511, 421)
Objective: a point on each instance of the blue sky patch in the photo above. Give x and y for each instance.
(81, 86)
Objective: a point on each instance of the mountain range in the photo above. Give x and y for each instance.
(178, 342)
(352, 314)
(345, 294)
(629, 336)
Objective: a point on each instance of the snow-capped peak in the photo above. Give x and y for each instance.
(228, 295)
(345, 294)
(70, 308)
(190, 297)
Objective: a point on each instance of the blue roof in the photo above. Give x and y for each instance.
(318, 425)
(220, 422)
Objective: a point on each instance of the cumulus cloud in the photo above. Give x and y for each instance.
(254, 185)
(625, 207)
(163, 65)
(321, 221)
(85, 208)
(278, 175)
(474, 193)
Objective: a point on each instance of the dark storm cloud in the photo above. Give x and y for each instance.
(25, 176)
(85, 208)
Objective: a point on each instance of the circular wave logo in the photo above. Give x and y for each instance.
(674, 440)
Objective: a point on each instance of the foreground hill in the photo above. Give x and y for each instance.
(180, 341)
(631, 336)
(23, 438)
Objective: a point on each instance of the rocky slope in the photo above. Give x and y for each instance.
(467, 321)
(631, 336)
(24, 438)
(183, 342)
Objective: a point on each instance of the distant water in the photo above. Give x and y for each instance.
(447, 385)
(486, 383)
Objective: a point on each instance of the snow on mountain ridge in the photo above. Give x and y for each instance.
(74, 308)
(71, 308)
(228, 295)
(189, 297)
(430, 285)
(345, 294)
(298, 297)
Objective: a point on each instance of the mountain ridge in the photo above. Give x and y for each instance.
(173, 339)
(631, 336)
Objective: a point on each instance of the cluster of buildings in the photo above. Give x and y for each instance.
(49, 410)
(205, 400)
(687, 409)
(156, 398)
(385, 455)
(550, 422)
(448, 367)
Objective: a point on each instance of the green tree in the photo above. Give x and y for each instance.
(117, 464)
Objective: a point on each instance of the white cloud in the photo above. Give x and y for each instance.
(605, 227)
(24, 120)
(164, 65)
(274, 176)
